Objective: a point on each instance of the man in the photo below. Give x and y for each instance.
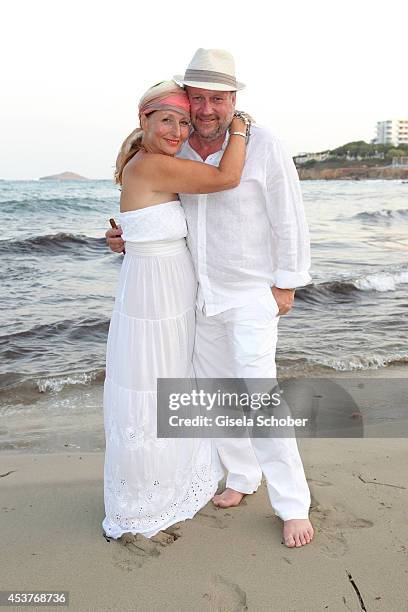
(250, 248)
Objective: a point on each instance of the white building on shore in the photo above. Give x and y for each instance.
(302, 158)
(392, 131)
(400, 161)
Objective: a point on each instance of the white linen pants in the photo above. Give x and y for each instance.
(241, 343)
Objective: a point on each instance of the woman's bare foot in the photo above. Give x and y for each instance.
(228, 498)
(297, 532)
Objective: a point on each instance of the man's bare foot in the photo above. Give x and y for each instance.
(297, 532)
(228, 498)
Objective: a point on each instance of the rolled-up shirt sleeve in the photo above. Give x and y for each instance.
(284, 205)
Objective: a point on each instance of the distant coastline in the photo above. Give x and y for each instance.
(326, 171)
(358, 160)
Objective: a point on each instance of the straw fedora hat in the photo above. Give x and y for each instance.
(211, 69)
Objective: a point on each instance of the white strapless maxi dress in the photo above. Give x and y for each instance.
(151, 483)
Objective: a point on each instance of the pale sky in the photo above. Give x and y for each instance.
(318, 73)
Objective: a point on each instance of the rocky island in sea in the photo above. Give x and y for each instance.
(64, 176)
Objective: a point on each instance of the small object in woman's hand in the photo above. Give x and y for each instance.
(114, 226)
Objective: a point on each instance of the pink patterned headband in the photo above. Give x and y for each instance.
(177, 102)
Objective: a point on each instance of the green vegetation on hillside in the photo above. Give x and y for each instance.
(357, 153)
(363, 149)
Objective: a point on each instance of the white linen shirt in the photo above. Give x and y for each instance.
(247, 239)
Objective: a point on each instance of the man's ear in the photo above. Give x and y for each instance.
(233, 97)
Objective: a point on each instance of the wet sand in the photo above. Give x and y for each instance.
(225, 560)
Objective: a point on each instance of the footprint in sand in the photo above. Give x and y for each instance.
(331, 544)
(331, 523)
(128, 565)
(212, 520)
(320, 483)
(139, 549)
(341, 517)
(224, 596)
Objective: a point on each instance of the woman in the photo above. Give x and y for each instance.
(152, 483)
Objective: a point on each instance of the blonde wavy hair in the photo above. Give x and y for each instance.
(130, 146)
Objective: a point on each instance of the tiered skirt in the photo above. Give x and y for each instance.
(151, 483)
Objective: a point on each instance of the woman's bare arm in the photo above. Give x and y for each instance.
(163, 173)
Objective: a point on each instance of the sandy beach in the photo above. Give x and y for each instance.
(225, 560)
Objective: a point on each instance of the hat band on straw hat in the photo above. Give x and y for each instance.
(209, 76)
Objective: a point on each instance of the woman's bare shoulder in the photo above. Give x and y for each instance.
(133, 165)
(140, 165)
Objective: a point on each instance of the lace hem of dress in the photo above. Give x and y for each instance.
(202, 488)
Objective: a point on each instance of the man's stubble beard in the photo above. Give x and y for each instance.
(221, 130)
